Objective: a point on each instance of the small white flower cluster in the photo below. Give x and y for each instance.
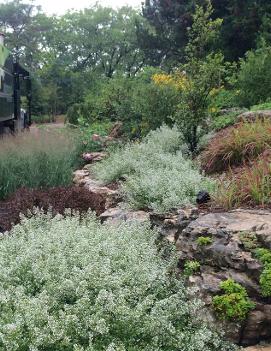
(73, 284)
(157, 173)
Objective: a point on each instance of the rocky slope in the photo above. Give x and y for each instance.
(227, 253)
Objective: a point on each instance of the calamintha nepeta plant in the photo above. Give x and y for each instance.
(70, 284)
(157, 173)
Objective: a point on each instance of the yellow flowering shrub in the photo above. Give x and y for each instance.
(177, 80)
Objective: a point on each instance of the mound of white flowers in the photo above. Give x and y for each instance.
(74, 284)
(157, 173)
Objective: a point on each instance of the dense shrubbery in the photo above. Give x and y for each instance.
(37, 159)
(253, 82)
(74, 284)
(157, 174)
(137, 102)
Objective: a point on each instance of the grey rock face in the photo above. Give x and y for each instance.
(224, 257)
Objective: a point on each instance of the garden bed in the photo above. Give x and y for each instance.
(58, 199)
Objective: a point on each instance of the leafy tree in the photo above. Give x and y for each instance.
(242, 21)
(203, 72)
(254, 76)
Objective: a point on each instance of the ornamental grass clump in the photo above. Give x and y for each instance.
(156, 172)
(70, 284)
(250, 186)
(237, 145)
(37, 159)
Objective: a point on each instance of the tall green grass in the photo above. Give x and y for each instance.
(36, 160)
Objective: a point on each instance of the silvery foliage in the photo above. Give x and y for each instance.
(75, 284)
(158, 173)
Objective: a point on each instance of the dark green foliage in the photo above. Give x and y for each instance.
(242, 22)
(254, 77)
(137, 102)
(223, 121)
(234, 304)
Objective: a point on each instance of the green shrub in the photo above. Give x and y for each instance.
(137, 102)
(157, 175)
(223, 121)
(191, 267)
(87, 143)
(234, 304)
(253, 81)
(74, 284)
(38, 159)
(204, 240)
(264, 106)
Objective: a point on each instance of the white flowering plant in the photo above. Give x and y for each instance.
(73, 284)
(157, 172)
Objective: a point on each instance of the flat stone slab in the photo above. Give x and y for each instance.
(118, 214)
(258, 348)
(252, 116)
(237, 220)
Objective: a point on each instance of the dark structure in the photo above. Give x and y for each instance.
(14, 83)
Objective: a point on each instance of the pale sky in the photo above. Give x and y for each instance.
(61, 6)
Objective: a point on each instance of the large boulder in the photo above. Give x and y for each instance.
(224, 256)
(85, 178)
(252, 116)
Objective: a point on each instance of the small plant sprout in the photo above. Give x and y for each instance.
(204, 240)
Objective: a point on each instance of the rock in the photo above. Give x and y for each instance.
(258, 348)
(225, 257)
(117, 214)
(80, 176)
(84, 178)
(92, 157)
(203, 197)
(252, 116)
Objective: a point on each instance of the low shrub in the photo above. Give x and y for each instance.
(87, 142)
(223, 121)
(237, 145)
(39, 159)
(264, 106)
(234, 304)
(75, 284)
(157, 176)
(204, 240)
